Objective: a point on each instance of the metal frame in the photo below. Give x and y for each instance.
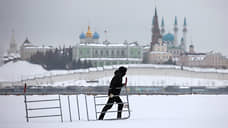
(60, 114)
(68, 97)
(27, 109)
(78, 107)
(128, 108)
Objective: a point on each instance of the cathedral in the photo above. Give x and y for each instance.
(165, 46)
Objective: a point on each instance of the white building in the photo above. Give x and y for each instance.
(105, 53)
(159, 53)
(28, 49)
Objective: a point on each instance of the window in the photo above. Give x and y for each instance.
(107, 53)
(122, 53)
(101, 52)
(112, 53)
(80, 51)
(96, 53)
(118, 53)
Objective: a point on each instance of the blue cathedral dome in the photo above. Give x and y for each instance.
(168, 37)
(95, 35)
(82, 35)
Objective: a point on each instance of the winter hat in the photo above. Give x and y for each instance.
(122, 69)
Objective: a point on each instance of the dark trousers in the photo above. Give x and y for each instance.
(109, 105)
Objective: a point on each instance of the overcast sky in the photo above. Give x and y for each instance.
(58, 22)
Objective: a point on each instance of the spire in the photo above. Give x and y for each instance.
(175, 22)
(185, 26)
(155, 12)
(13, 45)
(162, 23)
(185, 33)
(89, 33)
(162, 26)
(175, 31)
(185, 23)
(88, 28)
(12, 37)
(155, 29)
(153, 21)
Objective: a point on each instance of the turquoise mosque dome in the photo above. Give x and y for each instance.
(82, 35)
(168, 37)
(95, 35)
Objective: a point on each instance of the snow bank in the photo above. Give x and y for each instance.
(145, 80)
(15, 71)
(21, 70)
(194, 69)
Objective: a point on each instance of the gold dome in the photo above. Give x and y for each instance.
(89, 33)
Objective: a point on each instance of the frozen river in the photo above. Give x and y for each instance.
(188, 111)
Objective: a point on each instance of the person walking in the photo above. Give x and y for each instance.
(114, 92)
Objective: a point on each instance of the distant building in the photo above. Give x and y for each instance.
(206, 60)
(175, 48)
(12, 53)
(28, 49)
(172, 47)
(1, 60)
(13, 46)
(164, 47)
(105, 53)
(158, 54)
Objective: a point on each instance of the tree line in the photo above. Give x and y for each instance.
(60, 58)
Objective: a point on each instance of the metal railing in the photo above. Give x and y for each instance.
(29, 110)
(70, 106)
(126, 105)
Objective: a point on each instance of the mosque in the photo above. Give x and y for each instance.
(165, 46)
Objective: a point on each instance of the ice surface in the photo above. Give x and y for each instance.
(189, 111)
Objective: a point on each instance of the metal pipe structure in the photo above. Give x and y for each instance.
(124, 103)
(87, 113)
(68, 97)
(61, 113)
(95, 106)
(78, 107)
(129, 112)
(26, 108)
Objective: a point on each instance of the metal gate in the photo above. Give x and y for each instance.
(88, 106)
(29, 109)
(126, 107)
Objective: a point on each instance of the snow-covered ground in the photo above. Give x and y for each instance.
(20, 70)
(148, 81)
(16, 71)
(189, 111)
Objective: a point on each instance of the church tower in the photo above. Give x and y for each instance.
(155, 30)
(162, 27)
(13, 45)
(175, 31)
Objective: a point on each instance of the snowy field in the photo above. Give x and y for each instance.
(189, 111)
(23, 70)
(144, 80)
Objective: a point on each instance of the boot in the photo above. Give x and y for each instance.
(101, 117)
(119, 115)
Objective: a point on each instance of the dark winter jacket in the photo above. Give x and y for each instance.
(116, 83)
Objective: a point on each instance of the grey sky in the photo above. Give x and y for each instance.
(58, 22)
